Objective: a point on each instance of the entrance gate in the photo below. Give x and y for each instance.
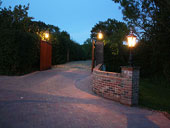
(45, 55)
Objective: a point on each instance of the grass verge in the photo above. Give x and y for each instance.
(154, 94)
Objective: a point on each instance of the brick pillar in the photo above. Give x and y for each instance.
(99, 52)
(132, 84)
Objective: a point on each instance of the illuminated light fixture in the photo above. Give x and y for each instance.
(46, 35)
(131, 39)
(100, 35)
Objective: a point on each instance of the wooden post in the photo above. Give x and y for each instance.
(93, 46)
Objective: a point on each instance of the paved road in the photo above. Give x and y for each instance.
(62, 98)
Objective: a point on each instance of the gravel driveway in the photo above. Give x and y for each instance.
(62, 98)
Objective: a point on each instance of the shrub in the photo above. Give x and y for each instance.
(19, 52)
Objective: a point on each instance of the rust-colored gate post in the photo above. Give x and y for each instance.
(45, 55)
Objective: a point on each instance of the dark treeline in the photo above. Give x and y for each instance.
(150, 20)
(20, 42)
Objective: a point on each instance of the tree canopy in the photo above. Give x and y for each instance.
(151, 20)
(114, 34)
(20, 42)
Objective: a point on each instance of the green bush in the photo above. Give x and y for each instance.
(114, 61)
(58, 53)
(20, 44)
(19, 52)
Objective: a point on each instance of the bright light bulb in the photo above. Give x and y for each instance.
(100, 36)
(131, 41)
(46, 35)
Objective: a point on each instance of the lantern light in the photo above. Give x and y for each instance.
(46, 35)
(100, 36)
(131, 40)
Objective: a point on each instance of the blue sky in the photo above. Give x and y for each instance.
(77, 17)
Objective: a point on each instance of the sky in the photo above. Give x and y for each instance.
(77, 17)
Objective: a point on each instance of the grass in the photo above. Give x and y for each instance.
(154, 94)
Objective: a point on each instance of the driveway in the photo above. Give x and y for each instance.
(62, 98)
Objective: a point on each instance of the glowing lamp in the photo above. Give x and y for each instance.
(131, 40)
(100, 36)
(46, 35)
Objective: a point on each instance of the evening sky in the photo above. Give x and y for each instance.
(77, 17)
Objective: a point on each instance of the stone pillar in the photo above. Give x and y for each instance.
(132, 84)
(99, 52)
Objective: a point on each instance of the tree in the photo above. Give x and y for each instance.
(15, 19)
(114, 34)
(19, 48)
(152, 18)
(87, 48)
(20, 42)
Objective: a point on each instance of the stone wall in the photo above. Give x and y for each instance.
(122, 87)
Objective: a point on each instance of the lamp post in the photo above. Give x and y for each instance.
(99, 37)
(131, 40)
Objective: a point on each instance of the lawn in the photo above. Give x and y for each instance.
(154, 94)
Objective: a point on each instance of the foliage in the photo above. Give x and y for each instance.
(112, 61)
(65, 49)
(151, 18)
(76, 52)
(16, 18)
(87, 48)
(115, 53)
(19, 49)
(20, 42)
